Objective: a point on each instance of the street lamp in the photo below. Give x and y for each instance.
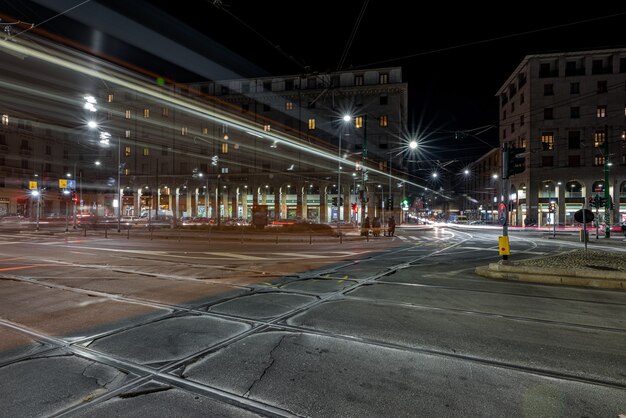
(105, 142)
(348, 118)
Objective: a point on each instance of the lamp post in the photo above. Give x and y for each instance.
(348, 118)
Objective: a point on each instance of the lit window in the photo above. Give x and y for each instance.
(224, 148)
(146, 152)
(110, 98)
(267, 128)
(547, 141)
(598, 160)
(165, 112)
(224, 170)
(601, 111)
(127, 133)
(127, 171)
(383, 121)
(183, 131)
(358, 122)
(146, 113)
(358, 80)
(598, 138)
(311, 124)
(289, 105)
(383, 78)
(127, 114)
(205, 131)
(5, 120)
(127, 151)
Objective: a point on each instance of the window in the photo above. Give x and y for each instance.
(311, 124)
(598, 138)
(622, 65)
(521, 98)
(205, 131)
(601, 111)
(127, 171)
(127, 133)
(384, 99)
(25, 164)
(224, 90)
(266, 107)
(311, 105)
(547, 141)
(267, 86)
(245, 88)
(48, 150)
(383, 121)
(165, 112)
(224, 148)
(146, 113)
(602, 86)
(503, 133)
(245, 107)
(548, 113)
(5, 120)
(47, 167)
(573, 160)
(127, 151)
(358, 122)
(544, 70)
(521, 120)
(573, 140)
(512, 107)
(66, 155)
(146, 151)
(574, 112)
(548, 89)
(127, 114)
(184, 131)
(570, 68)
(288, 85)
(110, 98)
(574, 88)
(267, 128)
(503, 114)
(358, 80)
(163, 149)
(512, 127)
(598, 160)
(383, 78)
(289, 106)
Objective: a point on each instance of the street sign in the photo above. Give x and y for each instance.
(578, 215)
(71, 184)
(502, 214)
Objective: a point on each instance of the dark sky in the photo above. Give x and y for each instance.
(453, 57)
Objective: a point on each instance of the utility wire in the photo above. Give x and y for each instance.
(33, 25)
(352, 36)
(484, 41)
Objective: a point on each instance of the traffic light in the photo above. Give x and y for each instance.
(405, 204)
(355, 208)
(552, 207)
(74, 197)
(334, 201)
(592, 202)
(390, 203)
(516, 161)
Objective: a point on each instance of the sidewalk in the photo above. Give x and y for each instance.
(588, 268)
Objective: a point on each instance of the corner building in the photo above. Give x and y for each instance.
(568, 110)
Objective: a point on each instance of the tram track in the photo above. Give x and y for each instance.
(167, 372)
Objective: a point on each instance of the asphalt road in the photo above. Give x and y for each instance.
(187, 326)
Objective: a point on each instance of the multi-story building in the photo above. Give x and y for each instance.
(568, 110)
(483, 188)
(174, 148)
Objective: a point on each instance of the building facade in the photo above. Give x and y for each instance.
(568, 111)
(164, 149)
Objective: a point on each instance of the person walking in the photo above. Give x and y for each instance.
(392, 226)
(365, 227)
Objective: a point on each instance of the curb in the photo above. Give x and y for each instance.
(567, 277)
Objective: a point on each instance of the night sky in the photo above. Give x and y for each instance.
(453, 57)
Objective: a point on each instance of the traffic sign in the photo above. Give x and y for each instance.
(502, 214)
(62, 184)
(32, 185)
(578, 215)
